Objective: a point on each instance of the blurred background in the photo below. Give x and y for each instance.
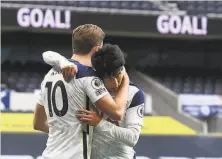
(174, 54)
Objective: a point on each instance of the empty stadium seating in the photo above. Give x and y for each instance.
(190, 7)
(188, 81)
(27, 77)
(23, 78)
(131, 5)
(200, 7)
(193, 85)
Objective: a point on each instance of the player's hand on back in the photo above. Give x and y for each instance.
(89, 117)
(69, 70)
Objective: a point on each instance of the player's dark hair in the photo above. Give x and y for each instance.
(108, 61)
(85, 37)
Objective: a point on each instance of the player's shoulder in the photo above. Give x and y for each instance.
(49, 73)
(133, 89)
(137, 95)
(83, 71)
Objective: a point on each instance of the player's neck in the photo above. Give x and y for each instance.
(83, 59)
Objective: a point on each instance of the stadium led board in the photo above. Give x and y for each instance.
(136, 25)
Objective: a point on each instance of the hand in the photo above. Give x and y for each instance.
(125, 79)
(89, 117)
(69, 70)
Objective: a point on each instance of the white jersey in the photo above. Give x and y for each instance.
(117, 141)
(68, 138)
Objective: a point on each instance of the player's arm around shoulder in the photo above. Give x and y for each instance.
(52, 58)
(99, 95)
(129, 134)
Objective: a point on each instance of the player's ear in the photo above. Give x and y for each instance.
(95, 49)
(98, 47)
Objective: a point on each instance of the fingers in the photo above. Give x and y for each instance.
(72, 72)
(79, 116)
(85, 119)
(85, 111)
(75, 69)
(68, 72)
(65, 72)
(90, 119)
(125, 78)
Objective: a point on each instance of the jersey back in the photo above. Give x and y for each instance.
(68, 138)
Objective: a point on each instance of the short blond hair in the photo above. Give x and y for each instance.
(85, 37)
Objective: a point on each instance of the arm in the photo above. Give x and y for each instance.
(133, 120)
(104, 101)
(52, 58)
(115, 107)
(40, 119)
(128, 136)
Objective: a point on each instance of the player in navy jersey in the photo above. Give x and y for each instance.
(114, 139)
(60, 100)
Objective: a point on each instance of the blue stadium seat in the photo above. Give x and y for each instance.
(218, 3)
(218, 88)
(208, 88)
(210, 9)
(187, 88)
(167, 82)
(201, 10)
(198, 88)
(62, 3)
(146, 5)
(200, 3)
(211, 3)
(20, 87)
(154, 7)
(104, 4)
(177, 87)
(136, 5)
(114, 4)
(219, 9)
(94, 4)
(191, 10)
(83, 3)
(125, 5)
(73, 3)
(182, 5)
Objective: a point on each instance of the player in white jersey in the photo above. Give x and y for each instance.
(60, 100)
(115, 139)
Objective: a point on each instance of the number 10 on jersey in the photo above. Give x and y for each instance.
(51, 98)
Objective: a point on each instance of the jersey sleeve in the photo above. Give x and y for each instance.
(135, 112)
(95, 88)
(53, 58)
(133, 123)
(40, 96)
(128, 135)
